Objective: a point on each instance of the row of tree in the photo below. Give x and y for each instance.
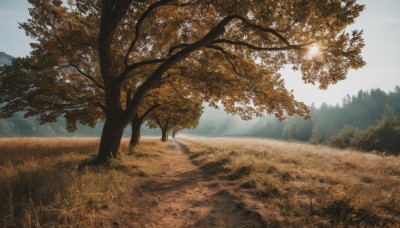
(366, 121)
(171, 113)
(114, 61)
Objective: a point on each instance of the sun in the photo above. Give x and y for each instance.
(313, 51)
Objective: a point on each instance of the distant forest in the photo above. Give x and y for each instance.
(337, 125)
(369, 120)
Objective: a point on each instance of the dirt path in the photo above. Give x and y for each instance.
(186, 196)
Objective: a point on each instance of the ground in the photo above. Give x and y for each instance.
(185, 196)
(196, 182)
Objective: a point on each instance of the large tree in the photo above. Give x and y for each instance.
(231, 51)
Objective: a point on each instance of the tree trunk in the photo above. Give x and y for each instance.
(164, 136)
(136, 124)
(110, 138)
(164, 130)
(173, 134)
(135, 137)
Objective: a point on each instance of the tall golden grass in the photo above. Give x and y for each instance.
(40, 185)
(305, 185)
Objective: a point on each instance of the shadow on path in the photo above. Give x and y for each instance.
(183, 195)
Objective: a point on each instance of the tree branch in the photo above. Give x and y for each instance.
(241, 43)
(179, 46)
(289, 26)
(149, 111)
(227, 56)
(134, 66)
(139, 23)
(207, 39)
(267, 30)
(218, 30)
(176, 90)
(112, 13)
(85, 74)
(158, 121)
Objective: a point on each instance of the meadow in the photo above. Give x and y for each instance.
(40, 185)
(281, 183)
(301, 184)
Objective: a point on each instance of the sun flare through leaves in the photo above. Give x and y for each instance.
(314, 51)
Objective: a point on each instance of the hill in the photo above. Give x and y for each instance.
(5, 59)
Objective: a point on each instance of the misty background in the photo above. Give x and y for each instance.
(358, 110)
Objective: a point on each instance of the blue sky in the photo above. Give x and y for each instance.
(380, 22)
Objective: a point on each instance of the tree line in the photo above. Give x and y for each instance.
(368, 120)
(360, 119)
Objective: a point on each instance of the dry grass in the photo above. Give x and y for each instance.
(305, 185)
(40, 185)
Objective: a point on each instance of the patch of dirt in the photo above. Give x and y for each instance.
(183, 195)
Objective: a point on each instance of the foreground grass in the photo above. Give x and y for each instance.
(305, 185)
(40, 185)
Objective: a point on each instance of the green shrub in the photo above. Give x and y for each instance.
(347, 137)
(383, 136)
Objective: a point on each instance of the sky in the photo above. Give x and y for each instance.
(380, 22)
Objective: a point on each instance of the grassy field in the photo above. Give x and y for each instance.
(286, 184)
(40, 185)
(302, 184)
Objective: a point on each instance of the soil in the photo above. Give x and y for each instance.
(182, 195)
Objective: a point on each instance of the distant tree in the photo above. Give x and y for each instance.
(394, 98)
(183, 114)
(173, 93)
(190, 120)
(232, 51)
(297, 128)
(347, 137)
(383, 135)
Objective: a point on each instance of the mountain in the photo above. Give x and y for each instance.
(5, 59)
